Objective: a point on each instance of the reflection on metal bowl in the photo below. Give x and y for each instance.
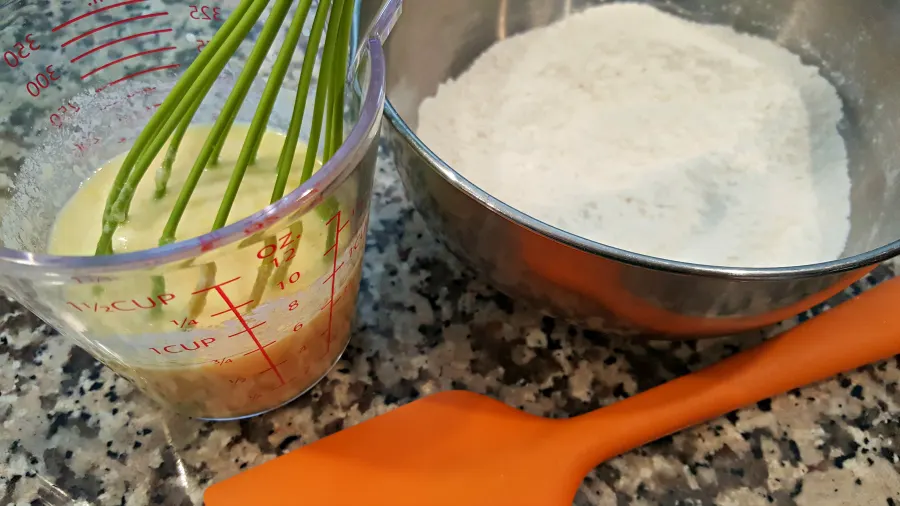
(599, 286)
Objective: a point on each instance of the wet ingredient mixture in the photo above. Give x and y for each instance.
(643, 131)
(183, 357)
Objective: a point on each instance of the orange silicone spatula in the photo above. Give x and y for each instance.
(463, 449)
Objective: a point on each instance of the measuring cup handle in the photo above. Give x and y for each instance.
(384, 22)
(378, 30)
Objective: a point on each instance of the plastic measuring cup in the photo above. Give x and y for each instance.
(227, 325)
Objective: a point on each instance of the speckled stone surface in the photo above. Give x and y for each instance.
(71, 432)
(74, 432)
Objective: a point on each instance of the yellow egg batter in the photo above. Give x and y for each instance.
(173, 339)
(78, 227)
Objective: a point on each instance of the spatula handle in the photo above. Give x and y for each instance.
(863, 330)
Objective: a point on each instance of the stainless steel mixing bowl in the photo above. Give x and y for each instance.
(857, 46)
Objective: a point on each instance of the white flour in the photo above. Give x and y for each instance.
(643, 131)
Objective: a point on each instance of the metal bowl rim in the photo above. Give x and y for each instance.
(517, 217)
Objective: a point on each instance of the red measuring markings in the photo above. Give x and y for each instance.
(234, 309)
(100, 28)
(333, 250)
(184, 323)
(248, 330)
(126, 58)
(293, 278)
(184, 347)
(230, 309)
(284, 244)
(251, 352)
(84, 146)
(205, 13)
(355, 246)
(123, 305)
(93, 12)
(116, 41)
(143, 91)
(222, 361)
(136, 74)
(20, 51)
(56, 119)
(306, 369)
(68, 107)
(259, 225)
(41, 81)
(283, 383)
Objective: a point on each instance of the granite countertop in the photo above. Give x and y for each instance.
(74, 433)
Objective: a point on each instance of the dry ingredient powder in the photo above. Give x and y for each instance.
(643, 131)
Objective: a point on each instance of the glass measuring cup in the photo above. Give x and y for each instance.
(226, 325)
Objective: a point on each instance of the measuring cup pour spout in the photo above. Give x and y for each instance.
(192, 324)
